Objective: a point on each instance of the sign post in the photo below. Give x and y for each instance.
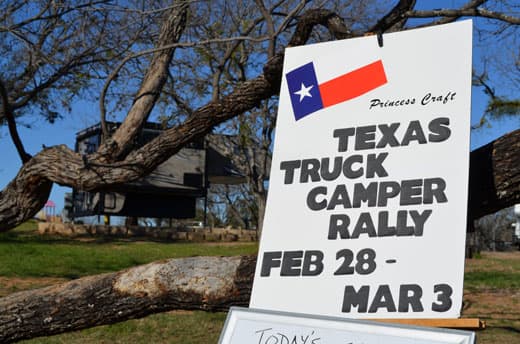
(366, 212)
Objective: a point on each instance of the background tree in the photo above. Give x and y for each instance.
(503, 94)
(498, 106)
(55, 51)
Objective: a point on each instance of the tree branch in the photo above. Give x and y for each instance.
(270, 27)
(204, 283)
(470, 12)
(115, 72)
(480, 80)
(152, 84)
(394, 17)
(11, 122)
(470, 5)
(58, 14)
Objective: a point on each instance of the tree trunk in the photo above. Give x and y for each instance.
(261, 200)
(206, 283)
(494, 176)
(121, 142)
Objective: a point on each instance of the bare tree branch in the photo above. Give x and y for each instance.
(270, 27)
(11, 122)
(41, 17)
(204, 283)
(394, 17)
(480, 80)
(290, 16)
(115, 72)
(231, 48)
(470, 5)
(63, 47)
(470, 12)
(152, 84)
(116, 8)
(181, 103)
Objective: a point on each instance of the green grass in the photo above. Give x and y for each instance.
(23, 253)
(492, 271)
(172, 328)
(491, 279)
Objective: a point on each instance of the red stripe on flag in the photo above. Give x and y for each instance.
(353, 84)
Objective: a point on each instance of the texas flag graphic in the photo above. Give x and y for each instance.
(307, 96)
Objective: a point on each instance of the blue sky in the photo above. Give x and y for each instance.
(85, 114)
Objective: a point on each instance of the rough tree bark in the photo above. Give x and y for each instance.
(205, 283)
(494, 179)
(151, 86)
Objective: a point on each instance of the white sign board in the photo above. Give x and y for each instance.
(263, 327)
(366, 212)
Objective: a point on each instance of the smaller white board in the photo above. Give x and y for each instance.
(254, 326)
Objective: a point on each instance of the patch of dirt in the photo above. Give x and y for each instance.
(499, 308)
(227, 243)
(9, 285)
(502, 255)
(494, 261)
(180, 312)
(492, 304)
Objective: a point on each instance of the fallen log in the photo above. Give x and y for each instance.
(199, 283)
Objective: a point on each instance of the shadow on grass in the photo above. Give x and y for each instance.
(508, 328)
(36, 238)
(33, 237)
